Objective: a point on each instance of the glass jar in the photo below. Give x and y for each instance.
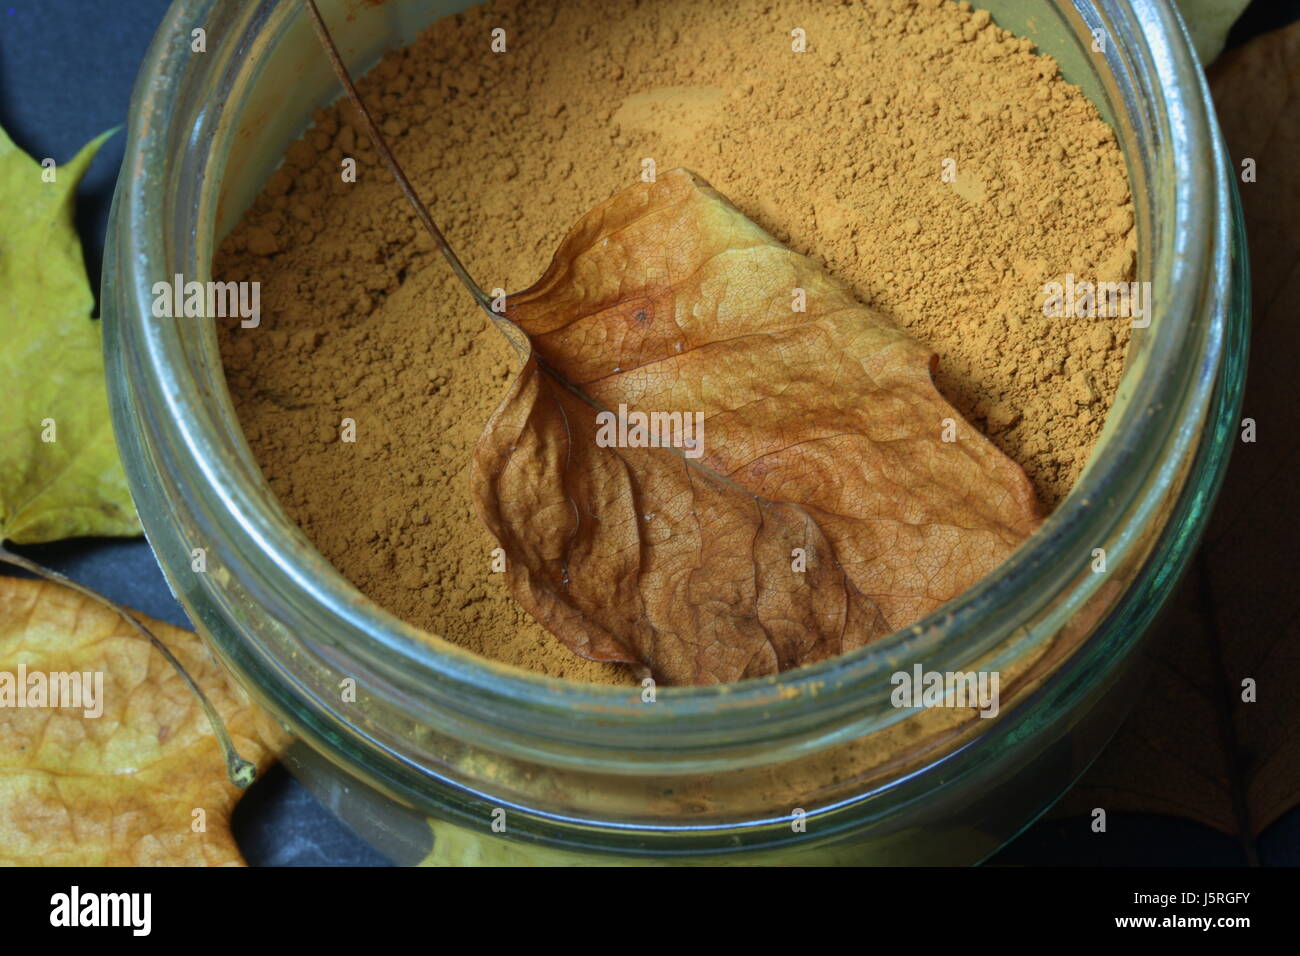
(814, 765)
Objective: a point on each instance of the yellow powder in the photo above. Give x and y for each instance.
(840, 151)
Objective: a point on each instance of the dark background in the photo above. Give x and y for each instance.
(66, 72)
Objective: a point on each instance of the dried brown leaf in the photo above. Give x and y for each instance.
(823, 432)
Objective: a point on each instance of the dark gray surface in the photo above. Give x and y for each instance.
(66, 70)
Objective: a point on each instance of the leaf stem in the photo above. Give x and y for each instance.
(381, 146)
(241, 772)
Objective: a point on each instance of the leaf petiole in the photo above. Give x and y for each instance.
(241, 772)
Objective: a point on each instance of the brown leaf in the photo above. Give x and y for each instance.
(1193, 747)
(822, 432)
(119, 788)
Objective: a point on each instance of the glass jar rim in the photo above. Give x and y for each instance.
(1175, 386)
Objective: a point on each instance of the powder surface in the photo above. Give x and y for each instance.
(840, 151)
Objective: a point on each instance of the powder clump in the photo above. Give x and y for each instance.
(925, 156)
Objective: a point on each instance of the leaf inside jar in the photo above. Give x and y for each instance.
(834, 496)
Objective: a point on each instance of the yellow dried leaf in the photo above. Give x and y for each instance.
(60, 476)
(142, 784)
(1208, 21)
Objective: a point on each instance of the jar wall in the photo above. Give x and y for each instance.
(454, 736)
